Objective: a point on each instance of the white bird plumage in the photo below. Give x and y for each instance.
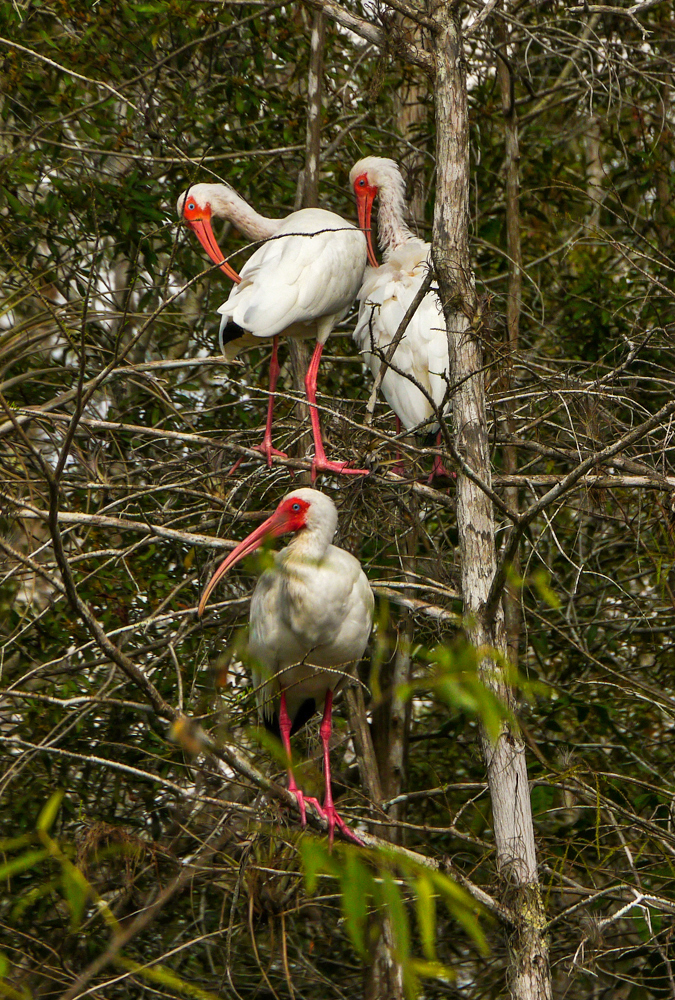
(300, 283)
(388, 291)
(312, 611)
(308, 274)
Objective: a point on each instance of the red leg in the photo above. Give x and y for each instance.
(285, 727)
(399, 468)
(438, 470)
(331, 814)
(321, 463)
(265, 447)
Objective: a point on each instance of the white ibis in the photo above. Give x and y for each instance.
(311, 616)
(386, 294)
(300, 283)
(196, 206)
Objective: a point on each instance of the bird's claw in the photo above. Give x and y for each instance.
(329, 814)
(338, 468)
(439, 471)
(302, 801)
(333, 818)
(265, 448)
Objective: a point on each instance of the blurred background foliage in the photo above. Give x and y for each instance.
(108, 111)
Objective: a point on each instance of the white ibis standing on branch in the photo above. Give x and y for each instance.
(196, 206)
(385, 296)
(300, 283)
(311, 616)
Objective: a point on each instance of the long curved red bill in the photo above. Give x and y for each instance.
(364, 208)
(274, 526)
(204, 233)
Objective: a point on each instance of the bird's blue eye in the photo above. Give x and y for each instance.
(191, 206)
(296, 506)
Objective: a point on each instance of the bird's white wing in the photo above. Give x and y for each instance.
(386, 294)
(312, 268)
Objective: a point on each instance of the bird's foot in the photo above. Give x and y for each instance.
(333, 818)
(302, 801)
(265, 448)
(231, 471)
(339, 468)
(439, 471)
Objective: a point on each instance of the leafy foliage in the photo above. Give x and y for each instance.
(107, 330)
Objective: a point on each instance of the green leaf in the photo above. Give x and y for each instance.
(426, 915)
(49, 811)
(76, 891)
(33, 895)
(356, 885)
(541, 582)
(166, 977)
(314, 859)
(432, 970)
(22, 863)
(462, 907)
(401, 930)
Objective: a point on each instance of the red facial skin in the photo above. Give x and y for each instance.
(289, 517)
(365, 195)
(198, 218)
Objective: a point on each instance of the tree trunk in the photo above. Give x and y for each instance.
(529, 975)
(411, 113)
(514, 298)
(307, 196)
(308, 187)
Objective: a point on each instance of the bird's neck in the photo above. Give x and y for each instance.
(245, 218)
(308, 546)
(392, 231)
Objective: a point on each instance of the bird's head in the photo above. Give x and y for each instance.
(368, 177)
(303, 509)
(194, 207)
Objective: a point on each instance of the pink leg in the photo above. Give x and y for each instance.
(438, 470)
(328, 807)
(285, 727)
(399, 468)
(321, 463)
(265, 447)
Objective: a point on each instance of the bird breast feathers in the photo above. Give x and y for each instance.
(324, 606)
(311, 268)
(422, 353)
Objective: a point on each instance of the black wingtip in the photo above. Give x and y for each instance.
(231, 331)
(302, 717)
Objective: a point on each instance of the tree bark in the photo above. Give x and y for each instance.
(514, 296)
(308, 189)
(529, 975)
(307, 196)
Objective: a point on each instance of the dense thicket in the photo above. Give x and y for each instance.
(119, 416)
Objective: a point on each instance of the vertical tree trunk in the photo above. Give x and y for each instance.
(529, 975)
(594, 171)
(391, 718)
(513, 305)
(307, 196)
(391, 721)
(308, 188)
(411, 113)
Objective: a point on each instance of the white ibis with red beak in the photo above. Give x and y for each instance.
(300, 283)
(196, 206)
(311, 616)
(386, 294)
